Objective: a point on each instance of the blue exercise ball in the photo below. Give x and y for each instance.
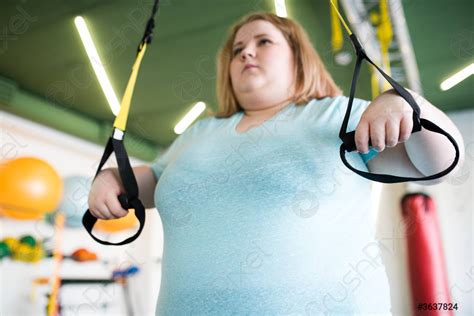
(74, 202)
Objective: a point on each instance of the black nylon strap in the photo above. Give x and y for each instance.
(348, 139)
(129, 200)
(150, 25)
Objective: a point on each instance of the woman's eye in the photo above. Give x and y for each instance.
(262, 41)
(236, 51)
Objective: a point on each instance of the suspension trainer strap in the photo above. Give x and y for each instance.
(348, 138)
(129, 200)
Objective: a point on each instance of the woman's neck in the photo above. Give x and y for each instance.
(261, 110)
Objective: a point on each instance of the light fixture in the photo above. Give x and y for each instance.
(457, 77)
(190, 117)
(97, 64)
(280, 8)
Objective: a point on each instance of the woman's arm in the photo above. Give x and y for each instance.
(388, 122)
(432, 152)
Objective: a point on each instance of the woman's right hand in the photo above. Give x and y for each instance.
(103, 197)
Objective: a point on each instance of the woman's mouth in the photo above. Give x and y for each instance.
(248, 66)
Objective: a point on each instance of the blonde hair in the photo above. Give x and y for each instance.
(312, 78)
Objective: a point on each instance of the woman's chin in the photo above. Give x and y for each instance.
(252, 86)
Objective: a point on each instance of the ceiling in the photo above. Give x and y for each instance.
(46, 76)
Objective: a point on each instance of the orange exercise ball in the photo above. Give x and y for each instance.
(29, 188)
(115, 225)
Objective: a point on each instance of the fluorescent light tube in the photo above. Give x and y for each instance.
(280, 8)
(190, 117)
(97, 64)
(457, 77)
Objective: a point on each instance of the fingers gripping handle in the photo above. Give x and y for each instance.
(350, 144)
(130, 199)
(349, 141)
(127, 201)
(348, 138)
(124, 201)
(88, 220)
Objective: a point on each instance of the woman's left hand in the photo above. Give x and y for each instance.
(387, 121)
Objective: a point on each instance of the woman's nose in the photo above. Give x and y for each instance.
(247, 53)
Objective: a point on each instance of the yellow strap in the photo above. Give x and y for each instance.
(340, 17)
(385, 36)
(121, 119)
(374, 82)
(384, 29)
(337, 40)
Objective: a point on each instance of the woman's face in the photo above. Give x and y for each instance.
(262, 62)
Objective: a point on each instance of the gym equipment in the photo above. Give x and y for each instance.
(11, 242)
(29, 240)
(4, 250)
(130, 199)
(83, 255)
(26, 249)
(27, 253)
(348, 138)
(119, 224)
(30, 187)
(428, 277)
(74, 201)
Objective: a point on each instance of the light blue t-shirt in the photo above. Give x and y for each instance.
(268, 221)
